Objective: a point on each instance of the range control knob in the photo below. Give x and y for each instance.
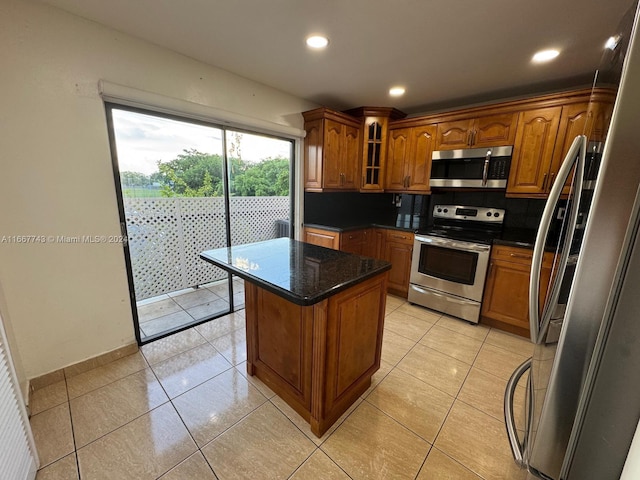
(439, 210)
(496, 214)
(446, 210)
(488, 214)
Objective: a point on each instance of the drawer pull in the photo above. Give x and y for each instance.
(520, 255)
(399, 236)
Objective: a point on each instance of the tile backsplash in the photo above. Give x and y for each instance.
(413, 211)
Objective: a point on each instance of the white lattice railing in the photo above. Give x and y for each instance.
(166, 236)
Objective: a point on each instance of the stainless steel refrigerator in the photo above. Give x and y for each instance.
(583, 381)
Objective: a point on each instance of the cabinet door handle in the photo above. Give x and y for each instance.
(551, 180)
(408, 181)
(544, 182)
(520, 255)
(469, 138)
(402, 237)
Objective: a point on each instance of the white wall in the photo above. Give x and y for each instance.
(69, 302)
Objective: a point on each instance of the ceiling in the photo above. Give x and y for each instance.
(444, 52)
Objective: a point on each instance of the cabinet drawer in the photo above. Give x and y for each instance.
(351, 237)
(512, 254)
(323, 238)
(519, 255)
(398, 236)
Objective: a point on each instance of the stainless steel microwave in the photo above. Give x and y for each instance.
(471, 168)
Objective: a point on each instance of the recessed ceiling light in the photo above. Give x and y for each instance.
(612, 42)
(317, 41)
(545, 56)
(396, 91)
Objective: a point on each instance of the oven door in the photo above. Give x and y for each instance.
(450, 266)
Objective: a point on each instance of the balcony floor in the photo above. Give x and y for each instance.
(176, 309)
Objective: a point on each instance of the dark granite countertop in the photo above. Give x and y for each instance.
(301, 273)
(517, 237)
(514, 237)
(346, 227)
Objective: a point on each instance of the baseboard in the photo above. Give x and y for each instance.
(80, 367)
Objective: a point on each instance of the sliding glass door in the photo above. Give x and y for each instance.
(185, 187)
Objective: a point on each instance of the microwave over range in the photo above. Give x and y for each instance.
(471, 168)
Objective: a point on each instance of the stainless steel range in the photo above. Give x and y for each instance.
(450, 260)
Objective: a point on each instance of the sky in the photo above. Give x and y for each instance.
(142, 140)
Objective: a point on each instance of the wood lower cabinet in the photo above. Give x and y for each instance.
(322, 238)
(394, 246)
(398, 250)
(505, 303)
(353, 241)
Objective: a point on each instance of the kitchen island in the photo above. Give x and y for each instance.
(315, 319)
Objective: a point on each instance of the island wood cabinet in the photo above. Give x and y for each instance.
(505, 303)
(409, 159)
(319, 359)
(487, 131)
(375, 128)
(331, 151)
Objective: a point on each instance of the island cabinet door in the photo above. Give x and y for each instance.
(279, 345)
(353, 338)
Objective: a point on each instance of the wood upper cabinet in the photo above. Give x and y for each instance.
(505, 303)
(409, 159)
(486, 131)
(375, 128)
(530, 173)
(590, 119)
(331, 151)
(576, 119)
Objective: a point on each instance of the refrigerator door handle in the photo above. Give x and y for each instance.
(517, 446)
(538, 326)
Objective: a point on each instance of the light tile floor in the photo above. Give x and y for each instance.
(184, 408)
(176, 309)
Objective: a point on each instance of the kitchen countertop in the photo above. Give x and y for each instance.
(346, 227)
(517, 237)
(513, 237)
(301, 273)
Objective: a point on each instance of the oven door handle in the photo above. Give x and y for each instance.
(446, 297)
(454, 244)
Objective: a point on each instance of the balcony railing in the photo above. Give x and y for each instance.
(166, 236)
